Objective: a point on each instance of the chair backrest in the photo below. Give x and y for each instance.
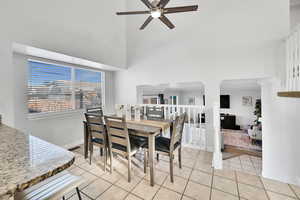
(117, 132)
(177, 130)
(96, 110)
(155, 113)
(95, 125)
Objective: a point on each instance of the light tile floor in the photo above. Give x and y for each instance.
(244, 163)
(196, 180)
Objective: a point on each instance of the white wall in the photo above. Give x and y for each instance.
(64, 130)
(224, 40)
(281, 137)
(295, 16)
(244, 114)
(167, 93)
(86, 30)
(185, 95)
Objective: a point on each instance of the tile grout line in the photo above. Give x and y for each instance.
(188, 180)
(212, 181)
(237, 184)
(130, 192)
(298, 197)
(257, 170)
(265, 190)
(160, 186)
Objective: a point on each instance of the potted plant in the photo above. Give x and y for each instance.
(257, 112)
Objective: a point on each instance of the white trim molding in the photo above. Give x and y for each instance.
(51, 55)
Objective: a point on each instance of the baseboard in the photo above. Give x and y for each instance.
(73, 144)
(284, 179)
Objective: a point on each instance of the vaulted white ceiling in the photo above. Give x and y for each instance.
(294, 2)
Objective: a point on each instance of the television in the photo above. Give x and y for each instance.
(225, 101)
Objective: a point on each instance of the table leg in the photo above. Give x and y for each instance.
(86, 137)
(151, 140)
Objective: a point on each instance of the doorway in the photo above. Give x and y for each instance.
(241, 125)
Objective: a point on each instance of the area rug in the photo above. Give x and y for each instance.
(239, 138)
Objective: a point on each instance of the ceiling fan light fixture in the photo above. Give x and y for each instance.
(156, 13)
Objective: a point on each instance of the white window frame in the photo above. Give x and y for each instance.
(67, 113)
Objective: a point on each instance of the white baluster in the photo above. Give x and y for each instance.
(294, 62)
(288, 81)
(189, 116)
(298, 61)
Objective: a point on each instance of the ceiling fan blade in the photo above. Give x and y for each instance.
(147, 3)
(163, 3)
(180, 9)
(133, 13)
(148, 20)
(167, 22)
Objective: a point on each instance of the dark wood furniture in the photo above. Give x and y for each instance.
(166, 146)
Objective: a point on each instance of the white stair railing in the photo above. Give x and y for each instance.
(194, 130)
(293, 61)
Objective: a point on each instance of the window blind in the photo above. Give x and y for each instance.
(55, 88)
(88, 89)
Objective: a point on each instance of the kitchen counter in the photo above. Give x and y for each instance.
(26, 160)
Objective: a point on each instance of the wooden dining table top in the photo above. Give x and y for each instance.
(147, 126)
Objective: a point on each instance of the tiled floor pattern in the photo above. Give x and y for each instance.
(244, 163)
(195, 181)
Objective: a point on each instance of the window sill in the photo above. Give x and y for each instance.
(51, 115)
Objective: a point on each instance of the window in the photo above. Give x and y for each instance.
(87, 88)
(56, 88)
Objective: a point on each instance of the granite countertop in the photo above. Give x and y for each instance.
(26, 160)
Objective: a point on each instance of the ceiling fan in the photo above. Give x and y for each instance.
(158, 10)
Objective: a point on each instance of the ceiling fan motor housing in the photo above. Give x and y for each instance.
(155, 3)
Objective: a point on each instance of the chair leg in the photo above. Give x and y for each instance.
(171, 168)
(157, 157)
(78, 193)
(91, 153)
(101, 151)
(110, 160)
(105, 158)
(129, 169)
(145, 161)
(179, 157)
(63, 198)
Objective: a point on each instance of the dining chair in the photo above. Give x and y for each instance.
(96, 110)
(54, 187)
(120, 142)
(97, 135)
(167, 146)
(154, 113)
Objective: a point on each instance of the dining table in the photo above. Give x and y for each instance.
(26, 160)
(145, 128)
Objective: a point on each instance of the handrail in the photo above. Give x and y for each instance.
(194, 129)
